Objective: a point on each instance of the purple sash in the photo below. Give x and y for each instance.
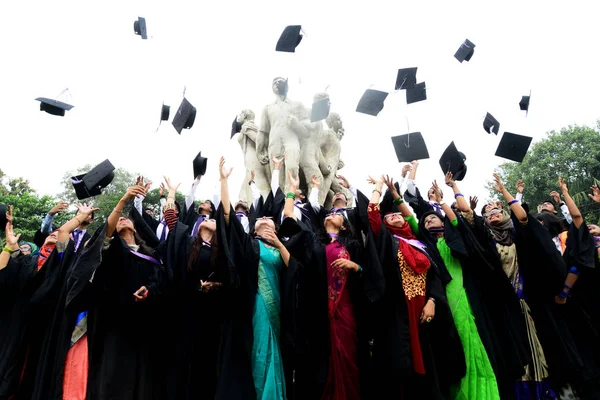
(414, 242)
(145, 257)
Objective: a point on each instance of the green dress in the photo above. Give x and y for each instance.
(267, 367)
(479, 382)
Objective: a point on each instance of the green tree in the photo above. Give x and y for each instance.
(573, 153)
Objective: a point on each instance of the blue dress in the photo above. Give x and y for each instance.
(267, 367)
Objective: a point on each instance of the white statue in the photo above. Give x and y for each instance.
(276, 137)
(331, 150)
(247, 140)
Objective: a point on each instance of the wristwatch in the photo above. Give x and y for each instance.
(441, 203)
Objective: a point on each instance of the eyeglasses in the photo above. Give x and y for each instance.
(393, 215)
(334, 213)
(265, 218)
(492, 212)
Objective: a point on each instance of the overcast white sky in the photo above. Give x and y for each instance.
(224, 53)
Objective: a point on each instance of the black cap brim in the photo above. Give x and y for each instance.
(416, 94)
(410, 146)
(465, 51)
(185, 117)
(164, 112)
(453, 161)
(236, 127)
(91, 184)
(290, 39)
(406, 78)
(320, 110)
(371, 102)
(53, 107)
(199, 164)
(491, 124)
(513, 147)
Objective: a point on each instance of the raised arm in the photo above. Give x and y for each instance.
(344, 182)
(191, 195)
(313, 196)
(170, 213)
(411, 185)
(514, 205)
(398, 200)
(460, 199)
(163, 200)
(224, 176)
(595, 196)
(438, 199)
(275, 173)
(46, 228)
(520, 189)
(373, 207)
(68, 227)
(576, 216)
(288, 209)
(117, 212)
(12, 241)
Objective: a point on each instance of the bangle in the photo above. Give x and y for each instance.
(458, 195)
(378, 191)
(510, 203)
(441, 203)
(432, 299)
(117, 211)
(574, 270)
(290, 195)
(398, 201)
(568, 287)
(251, 182)
(8, 250)
(563, 294)
(360, 269)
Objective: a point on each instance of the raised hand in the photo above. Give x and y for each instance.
(437, 192)
(449, 179)
(389, 182)
(170, 186)
(374, 181)
(555, 196)
(161, 188)
(414, 163)
(85, 209)
(277, 161)
(498, 185)
(62, 206)
(520, 186)
(12, 241)
(315, 181)
(224, 172)
(9, 214)
(344, 181)
(294, 182)
(562, 185)
(473, 200)
(133, 192)
(251, 176)
(406, 169)
(595, 196)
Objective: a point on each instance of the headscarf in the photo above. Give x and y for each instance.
(416, 260)
(34, 248)
(502, 232)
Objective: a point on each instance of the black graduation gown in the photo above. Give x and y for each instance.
(417, 203)
(18, 281)
(122, 334)
(240, 270)
(496, 309)
(144, 227)
(192, 349)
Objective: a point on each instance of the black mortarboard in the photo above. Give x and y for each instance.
(454, 161)
(200, 165)
(465, 51)
(289, 39)
(491, 124)
(91, 183)
(139, 27)
(164, 112)
(513, 147)
(524, 103)
(410, 146)
(417, 93)
(371, 102)
(236, 127)
(53, 107)
(3, 219)
(406, 79)
(320, 110)
(186, 114)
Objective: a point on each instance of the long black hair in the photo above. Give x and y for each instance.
(197, 243)
(345, 236)
(144, 248)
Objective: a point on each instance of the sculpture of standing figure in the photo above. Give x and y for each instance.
(276, 137)
(331, 150)
(247, 140)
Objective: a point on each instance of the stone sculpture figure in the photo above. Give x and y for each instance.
(247, 140)
(331, 149)
(275, 136)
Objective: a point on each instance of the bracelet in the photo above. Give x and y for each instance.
(118, 211)
(290, 195)
(458, 195)
(250, 183)
(78, 220)
(568, 287)
(574, 270)
(510, 203)
(8, 250)
(432, 299)
(360, 269)
(378, 191)
(398, 201)
(563, 294)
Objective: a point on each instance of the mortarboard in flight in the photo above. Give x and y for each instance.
(164, 112)
(406, 78)
(454, 161)
(91, 183)
(53, 107)
(513, 147)
(3, 220)
(236, 127)
(410, 146)
(417, 93)
(524, 103)
(320, 110)
(465, 51)
(290, 38)
(185, 117)
(491, 124)
(199, 165)
(139, 27)
(371, 102)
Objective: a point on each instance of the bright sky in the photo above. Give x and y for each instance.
(223, 52)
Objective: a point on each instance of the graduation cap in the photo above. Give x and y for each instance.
(465, 51)
(371, 102)
(199, 165)
(417, 93)
(3, 220)
(290, 38)
(453, 161)
(236, 127)
(164, 112)
(406, 79)
(53, 107)
(524, 103)
(513, 147)
(491, 124)
(186, 114)
(139, 27)
(91, 183)
(320, 110)
(410, 146)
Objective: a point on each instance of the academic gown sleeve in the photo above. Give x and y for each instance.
(417, 203)
(146, 231)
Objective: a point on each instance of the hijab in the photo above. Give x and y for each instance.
(415, 259)
(502, 232)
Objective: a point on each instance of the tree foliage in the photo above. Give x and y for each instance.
(573, 153)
